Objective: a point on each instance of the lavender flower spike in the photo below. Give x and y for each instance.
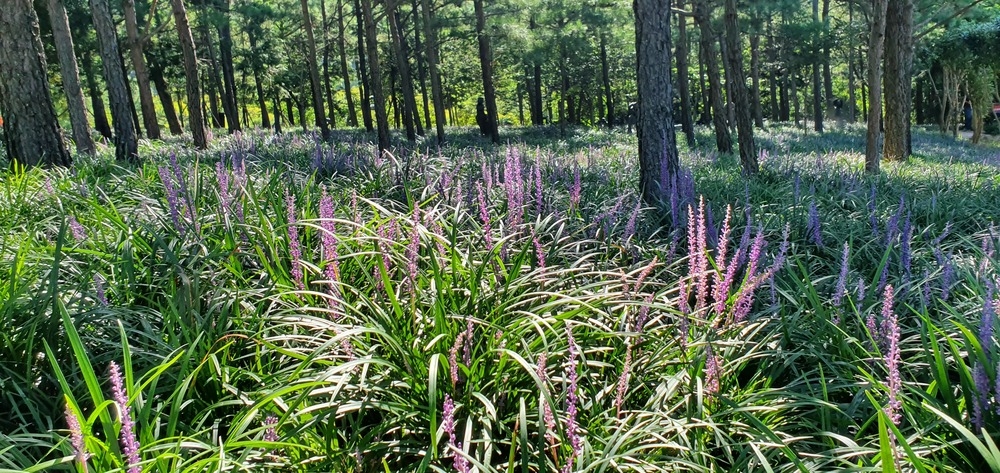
(293, 242)
(130, 446)
(76, 437)
(892, 357)
(838, 296)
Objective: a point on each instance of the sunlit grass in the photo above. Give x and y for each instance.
(230, 363)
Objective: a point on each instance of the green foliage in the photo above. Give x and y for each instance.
(229, 364)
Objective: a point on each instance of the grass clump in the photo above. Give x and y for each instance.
(277, 303)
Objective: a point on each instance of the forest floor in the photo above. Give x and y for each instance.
(280, 304)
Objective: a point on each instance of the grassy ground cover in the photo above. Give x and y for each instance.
(277, 304)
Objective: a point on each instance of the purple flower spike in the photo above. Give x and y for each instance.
(326, 213)
(294, 250)
(270, 428)
(838, 296)
(623, 380)
(981, 396)
(130, 446)
(814, 230)
(76, 437)
(574, 192)
(79, 233)
(575, 440)
(547, 415)
(102, 298)
(460, 462)
(892, 357)
(712, 372)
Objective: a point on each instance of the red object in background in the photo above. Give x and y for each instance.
(996, 110)
(1, 121)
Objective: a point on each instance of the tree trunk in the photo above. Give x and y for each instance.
(406, 80)
(852, 98)
(141, 75)
(430, 34)
(212, 81)
(898, 78)
(255, 66)
(876, 42)
(70, 77)
(33, 136)
(314, 80)
(536, 73)
(827, 75)
(366, 90)
(228, 71)
(136, 125)
(683, 84)
(371, 42)
(330, 107)
(421, 69)
(163, 92)
(758, 111)
(96, 98)
(609, 102)
(740, 99)
(194, 107)
(658, 161)
(277, 112)
(352, 117)
(486, 65)
(126, 146)
(702, 15)
(817, 84)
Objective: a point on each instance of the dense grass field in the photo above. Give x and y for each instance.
(276, 304)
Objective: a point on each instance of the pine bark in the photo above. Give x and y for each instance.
(371, 42)
(126, 145)
(898, 79)
(195, 118)
(314, 80)
(33, 136)
(326, 67)
(163, 92)
(741, 98)
(261, 99)
(486, 67)
(655, 129)
(99, 112)
(687, 124)
(228, 70)
(406, 80)
(876, 43)
(352, 117)
(366, 111)
(70, 77)
(149, 121)
(609, 102)
(421, 67)
(702, 15)
(816, 83)
(758, 111)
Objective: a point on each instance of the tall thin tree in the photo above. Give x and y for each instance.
(740, 98)
(135, 44)
(430, 34)
(126, 145)
(876, 43)
(657, 144)
(317, 91)
(193, 89)
(486, 67)
(371, 42)
(33, 136)
(70, 77)
(898, 79)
